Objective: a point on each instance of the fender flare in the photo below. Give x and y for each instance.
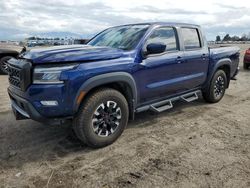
(221, 62)
(11, 53)
(106, 79)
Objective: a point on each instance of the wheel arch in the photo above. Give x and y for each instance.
(121, 81)
(11, 54)
(223, 64)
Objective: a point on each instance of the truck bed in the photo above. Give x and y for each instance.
(226, 52)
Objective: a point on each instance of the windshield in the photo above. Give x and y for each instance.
(122, 37)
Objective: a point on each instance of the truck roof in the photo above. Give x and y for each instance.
(165, 23)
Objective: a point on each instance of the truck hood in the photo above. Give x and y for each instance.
(71, 53)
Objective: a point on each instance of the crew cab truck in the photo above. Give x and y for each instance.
(121, 71)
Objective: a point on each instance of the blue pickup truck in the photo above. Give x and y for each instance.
(121, 71)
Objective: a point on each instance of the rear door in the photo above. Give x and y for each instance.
(196, 56)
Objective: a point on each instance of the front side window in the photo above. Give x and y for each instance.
(122, 37)
(191, 38)
(165, 35)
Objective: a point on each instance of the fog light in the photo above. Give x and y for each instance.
(49, 103)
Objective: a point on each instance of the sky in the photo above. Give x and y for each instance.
(23, 18)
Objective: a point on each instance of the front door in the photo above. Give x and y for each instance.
(160, 74)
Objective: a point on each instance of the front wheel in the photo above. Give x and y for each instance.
(101, 118)
(217, 87)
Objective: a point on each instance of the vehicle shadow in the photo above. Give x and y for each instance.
(149, 118)
(27, 141)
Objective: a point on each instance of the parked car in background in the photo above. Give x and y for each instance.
(121, 71)
(247, 59)
(5, 55)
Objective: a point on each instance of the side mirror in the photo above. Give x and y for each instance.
(156, 48)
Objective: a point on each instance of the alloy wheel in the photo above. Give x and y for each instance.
(219, 87)
(106, 118)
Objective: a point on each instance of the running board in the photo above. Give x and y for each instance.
(161, 106)
(190, 97)
(168, 103)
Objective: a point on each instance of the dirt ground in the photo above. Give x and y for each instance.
(192, 145)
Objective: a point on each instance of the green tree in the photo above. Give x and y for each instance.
(218, 39)
(244, 37)
(235, 38)
(227, 38)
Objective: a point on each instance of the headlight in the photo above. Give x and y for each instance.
(50, 75)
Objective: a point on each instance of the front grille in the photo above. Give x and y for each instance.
(14, 76)
(19, 73)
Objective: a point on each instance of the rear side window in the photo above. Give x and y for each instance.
(191, 38)
(165, 35)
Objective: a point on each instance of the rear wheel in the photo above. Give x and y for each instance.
(3, 64)
(102, 118)
(245, 66)
(217, 87)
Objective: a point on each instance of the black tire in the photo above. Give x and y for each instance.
(3, 65)
(245, 66)
(95, 116)
(217, 87)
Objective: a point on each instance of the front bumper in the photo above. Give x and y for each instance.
(23, 109)
(32, 100)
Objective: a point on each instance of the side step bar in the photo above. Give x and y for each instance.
(161, 106)
(168, 103)
(190, 97)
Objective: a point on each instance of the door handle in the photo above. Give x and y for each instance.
(179, 60)
(203, 56)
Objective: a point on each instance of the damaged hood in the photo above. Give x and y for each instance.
(71, 53)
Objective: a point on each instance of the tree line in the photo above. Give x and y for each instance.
(227, 37)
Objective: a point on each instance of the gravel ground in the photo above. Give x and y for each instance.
(192, 145)
(5, 101)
